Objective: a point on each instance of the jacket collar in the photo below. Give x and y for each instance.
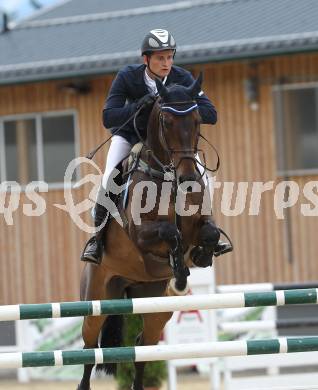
(139, 76)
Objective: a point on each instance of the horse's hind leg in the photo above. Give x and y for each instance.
(153, 327)
(90, 331)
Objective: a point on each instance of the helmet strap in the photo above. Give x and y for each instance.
(148, 66)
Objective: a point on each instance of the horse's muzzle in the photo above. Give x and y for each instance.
(188, 178)
(187, 183)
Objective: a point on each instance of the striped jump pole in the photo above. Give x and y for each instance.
(158, 304)
(158, 352)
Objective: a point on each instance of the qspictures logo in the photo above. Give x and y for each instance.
(235, 197)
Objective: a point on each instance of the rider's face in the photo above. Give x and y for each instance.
(160, 62)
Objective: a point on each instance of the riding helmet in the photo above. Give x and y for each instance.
(157, 40)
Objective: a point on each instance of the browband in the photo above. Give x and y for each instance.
(179, 112)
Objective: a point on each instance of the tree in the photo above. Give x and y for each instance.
(155, 372)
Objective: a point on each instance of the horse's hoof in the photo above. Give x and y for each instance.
(133, 387)
(174, 289)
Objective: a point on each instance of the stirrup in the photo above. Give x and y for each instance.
(223, 247)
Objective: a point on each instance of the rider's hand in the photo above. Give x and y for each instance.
(146, 100)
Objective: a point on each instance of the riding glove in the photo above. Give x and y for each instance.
(146, 101)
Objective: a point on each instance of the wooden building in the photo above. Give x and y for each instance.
(265, 88)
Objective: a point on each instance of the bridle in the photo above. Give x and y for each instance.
(167, 170)
(171, 107)
(178, 108)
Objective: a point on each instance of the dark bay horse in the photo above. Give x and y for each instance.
(143, 257)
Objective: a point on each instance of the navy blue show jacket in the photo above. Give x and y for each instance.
(129, 86)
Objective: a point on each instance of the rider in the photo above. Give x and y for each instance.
(134, 87)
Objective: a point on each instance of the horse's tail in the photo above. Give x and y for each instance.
(111, 337)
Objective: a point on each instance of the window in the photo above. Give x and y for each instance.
(296, 116)
(20, 150)
(37, 147)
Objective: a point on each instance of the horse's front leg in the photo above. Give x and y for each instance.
(164, 236)
(207, 240)
(153, 327)
(92, 288)
(90, 332)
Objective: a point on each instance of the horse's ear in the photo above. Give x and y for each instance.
(162, 90)
(195, 88)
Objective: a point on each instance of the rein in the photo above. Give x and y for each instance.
(92, 153)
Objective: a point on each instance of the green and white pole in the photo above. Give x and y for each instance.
(158, 352)
(158, 304)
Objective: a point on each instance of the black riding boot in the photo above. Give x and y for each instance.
(94, 248)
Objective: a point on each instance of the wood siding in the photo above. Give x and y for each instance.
(40, 255)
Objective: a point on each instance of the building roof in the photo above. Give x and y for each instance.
(80, 37)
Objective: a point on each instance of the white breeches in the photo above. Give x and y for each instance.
(119, 149)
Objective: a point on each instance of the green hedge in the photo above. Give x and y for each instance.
(155, 372)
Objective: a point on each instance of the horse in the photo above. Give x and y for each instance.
(150, 255)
